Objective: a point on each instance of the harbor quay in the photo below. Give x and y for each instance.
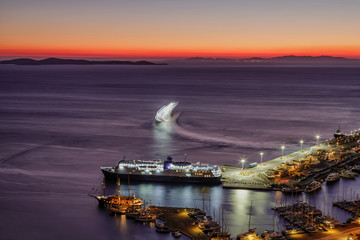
(293, 172)
(343, 232)
(178, 219)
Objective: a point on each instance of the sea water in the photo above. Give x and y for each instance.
(59, 124)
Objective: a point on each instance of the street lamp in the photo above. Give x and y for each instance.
(301, 144)
(261, 157)
(242, 162)
(317, 139)
(282, 150)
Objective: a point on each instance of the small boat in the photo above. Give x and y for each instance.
(146, 216)
(133, 214)
(314, 185)
(251, 234)
(332, 177)
(162, 229)
(311, 229)
(347, 174)
(292, 231)
(176, 234)
(165, 112)
(271, 235)
(356, 169)
(290, 189)
(159, 223)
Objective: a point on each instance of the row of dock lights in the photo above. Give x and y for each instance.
(301, 142)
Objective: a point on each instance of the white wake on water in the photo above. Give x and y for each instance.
(219, 140)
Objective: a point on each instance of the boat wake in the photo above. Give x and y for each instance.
(34, 147)
(37, 173)
(218, 140)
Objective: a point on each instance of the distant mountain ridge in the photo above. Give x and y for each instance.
(280, 59)
(61, 61)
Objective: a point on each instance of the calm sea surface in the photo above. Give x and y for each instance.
(59, 124)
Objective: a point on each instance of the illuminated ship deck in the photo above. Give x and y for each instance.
(164, 171)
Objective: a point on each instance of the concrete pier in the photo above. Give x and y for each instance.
(178, 219)
(297, 168)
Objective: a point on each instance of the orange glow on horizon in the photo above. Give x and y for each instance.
(350, 52)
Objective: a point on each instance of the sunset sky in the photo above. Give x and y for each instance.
(179, 28)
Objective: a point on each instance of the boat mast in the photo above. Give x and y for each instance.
(250, 215)
(203, 203)
(129, 185)
(118, 190)
(104, 186)
(273, 220)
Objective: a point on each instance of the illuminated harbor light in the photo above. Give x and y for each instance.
(243, 160)
(282, 150)
(301, 143)
(164, 114)
(317, 139)
(261, 157)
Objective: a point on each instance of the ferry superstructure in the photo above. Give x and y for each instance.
(164, 171)
(165, 112)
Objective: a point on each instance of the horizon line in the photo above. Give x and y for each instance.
(76, 56)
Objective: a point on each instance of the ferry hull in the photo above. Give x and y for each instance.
(162, 178)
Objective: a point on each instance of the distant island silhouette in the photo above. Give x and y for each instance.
(290, 59)
(280, 59)
(62, 61)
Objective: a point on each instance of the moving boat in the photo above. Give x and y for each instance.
(165, 112)
(164, 171)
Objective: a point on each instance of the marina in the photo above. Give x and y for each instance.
(306, 221)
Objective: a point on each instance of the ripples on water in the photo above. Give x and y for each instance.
(60, 123)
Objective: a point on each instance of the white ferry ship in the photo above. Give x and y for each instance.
(165, 171)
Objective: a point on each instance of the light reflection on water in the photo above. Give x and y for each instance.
(235, 203)
(162, 141)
